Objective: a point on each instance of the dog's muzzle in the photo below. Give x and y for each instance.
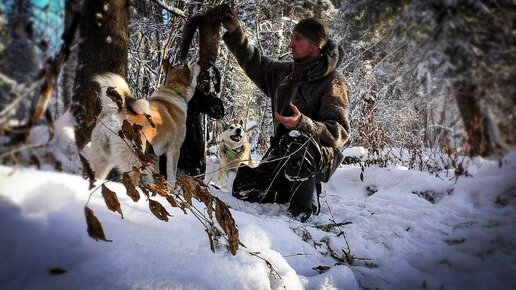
(236, 138)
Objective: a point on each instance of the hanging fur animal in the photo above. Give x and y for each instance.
(209, 38)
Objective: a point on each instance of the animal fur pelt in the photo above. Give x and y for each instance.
(209, 38)
(192, 160)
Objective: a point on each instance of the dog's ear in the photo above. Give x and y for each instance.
(186, 74)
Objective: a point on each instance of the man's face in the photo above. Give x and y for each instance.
(301, 48)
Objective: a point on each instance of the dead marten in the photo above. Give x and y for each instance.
(209, 37)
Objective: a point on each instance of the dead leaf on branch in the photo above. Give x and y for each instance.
(132, 192)
(136, 174)
(137, 129)
(145, 159)
(144, 189)
(113, 94)
(157, 189)
(226, 221)
(149, 119)
(149, 150)
(111, 200)
(158, 210)
(159, 180)
(172, 201)
(94, 226)
(193, 188)
(187, 187)
(128, 131)
(184, 205)
(87, 172)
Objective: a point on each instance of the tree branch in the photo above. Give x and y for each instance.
(173, 10)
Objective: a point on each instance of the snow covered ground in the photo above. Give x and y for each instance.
(405, 230)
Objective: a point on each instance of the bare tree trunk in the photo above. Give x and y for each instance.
(18, 59)
(71, 6)
(104, 47)
(468, 97)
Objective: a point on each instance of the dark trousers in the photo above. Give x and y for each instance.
(288, 173)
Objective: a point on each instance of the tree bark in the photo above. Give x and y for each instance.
(468, 100)
(103, 48)
(71, 7)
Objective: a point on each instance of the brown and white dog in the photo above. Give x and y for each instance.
(234, 149)
(167, 107)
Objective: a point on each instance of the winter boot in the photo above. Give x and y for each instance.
(255, 185)
(301, 206)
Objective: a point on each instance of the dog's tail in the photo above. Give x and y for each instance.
(113, 80)
(117, 82)
(140, 106)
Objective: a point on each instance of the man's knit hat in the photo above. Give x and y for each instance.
(313, 30)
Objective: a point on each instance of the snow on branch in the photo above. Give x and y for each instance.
(173, 10)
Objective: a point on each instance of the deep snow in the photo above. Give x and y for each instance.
(400, 240)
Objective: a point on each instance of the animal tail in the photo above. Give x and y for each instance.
(113, 80)
(140, 106)
(189, 29)
(117, 82)
(113, 89)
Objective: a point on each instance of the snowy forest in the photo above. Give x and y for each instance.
(424, 199)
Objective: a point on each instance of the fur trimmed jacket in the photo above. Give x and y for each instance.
(315, 87)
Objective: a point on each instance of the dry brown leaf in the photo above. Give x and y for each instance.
(172, 201)
(113, 94)
(226, 221)
(144, 189)
(157, 189)
(149, 149)
(159, 180)
(87, 172)
(149, 118)
(158, 210)
(111, 200)
(136, 174)
(94, 226)
(188, 187)
(202, 193)
(146, 159)
(137, 129)
(184, 205)
(129, 186)
(128, 131)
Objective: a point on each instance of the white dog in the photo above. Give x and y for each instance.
(234, 149)
(167, 108)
